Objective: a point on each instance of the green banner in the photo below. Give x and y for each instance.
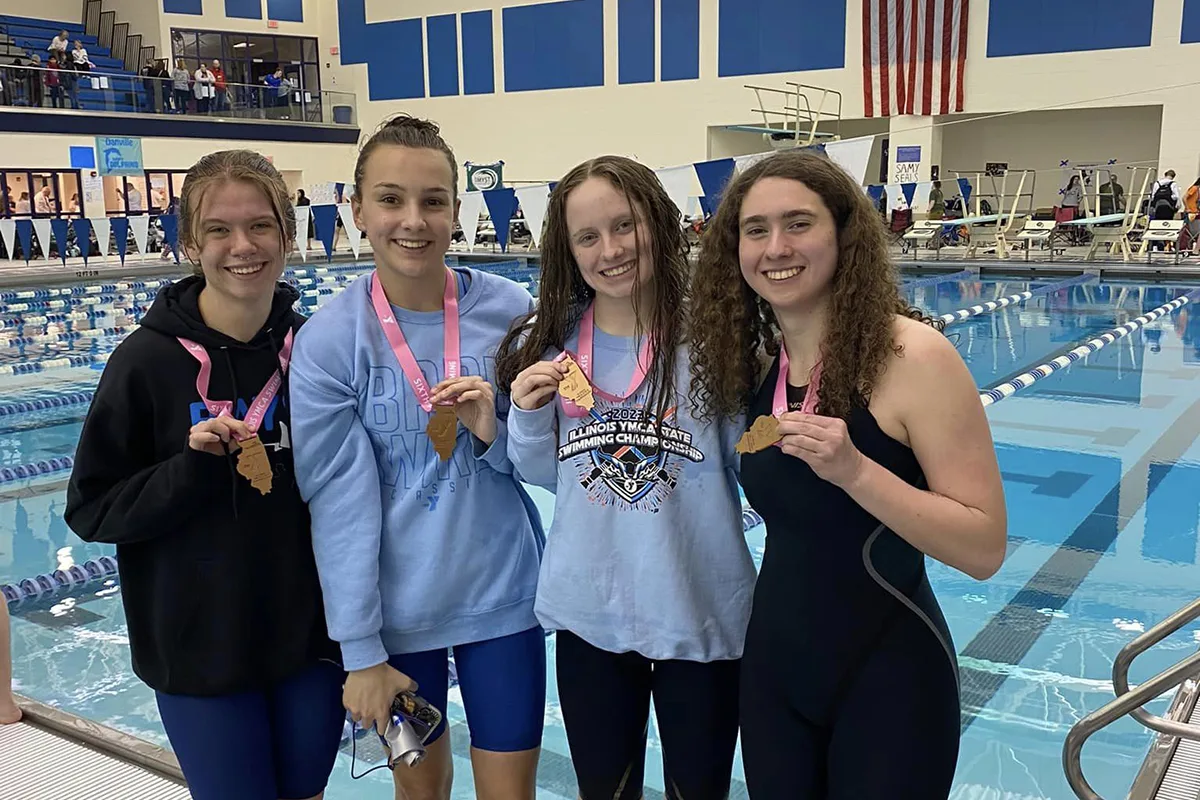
(481, 177)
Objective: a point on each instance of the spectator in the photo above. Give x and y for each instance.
(23, 208)
(80, 57)
(37, 92)
(1072, 197)
(204, 88)
(221, 99)
(43, 202)
(181, 77)
(54, 83)
(1165, 197)
(937, 201)
(163, 78)
(148, 88)
(59, 46)
(133, 200)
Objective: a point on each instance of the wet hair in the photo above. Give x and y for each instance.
(403, 130)
(731, 326)
(564, 295)
(233, 165)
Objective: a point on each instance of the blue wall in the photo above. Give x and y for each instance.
(1067, 26)
(243, 9)
(442, 33)
(762, 36)
(287, 10)
(554, 45)
(679, 50)
(397, 71)
(635, 41)
(1191, 22)
(479, 72)
(183, 6)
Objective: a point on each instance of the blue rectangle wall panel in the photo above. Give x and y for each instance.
(1190, 34)
(1067, 26)
(243, 9)
(183, 7)
(442, 37)
(397, 72)
(757, 37)
(679, 52)
(479, 71)
(635, 41)
(287, 10)
(554, 45)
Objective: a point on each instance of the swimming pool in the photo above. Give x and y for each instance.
(1100, 462)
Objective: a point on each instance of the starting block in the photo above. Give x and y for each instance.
(1162, 230)
(1037, 231)
(924, 231)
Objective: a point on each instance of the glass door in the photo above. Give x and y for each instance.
(46, 200)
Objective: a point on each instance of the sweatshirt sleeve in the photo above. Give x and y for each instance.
(337, 475)
(532, 439)
(119, 492)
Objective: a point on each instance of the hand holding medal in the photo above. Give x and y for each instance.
(537, 384)
(766, 430)
(469, 399)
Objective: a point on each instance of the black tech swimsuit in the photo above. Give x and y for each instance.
(849, 685)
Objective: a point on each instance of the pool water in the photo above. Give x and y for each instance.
(1100, 465)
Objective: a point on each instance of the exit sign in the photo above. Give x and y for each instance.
(333, 51)
(272, 23)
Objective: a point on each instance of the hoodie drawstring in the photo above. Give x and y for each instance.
(233, 474)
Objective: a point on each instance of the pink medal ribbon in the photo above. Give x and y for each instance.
(587, 333)
(224, 408)
(780, 405)
(404, 354)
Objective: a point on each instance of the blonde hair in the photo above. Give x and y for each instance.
(233, 165)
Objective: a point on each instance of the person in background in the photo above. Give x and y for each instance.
(182, 84)
(188, 470)
(1191, 204)
(162, 77)
(1072, 197)
(59, 45)
(302, 200)
(1115, 192)
(54, 83)
(1165, 197)
(221, 87)
(148, 88)
(79, 56)
(9, 713)
(937, 201)
(43, 202)
(23, 206)
(73, 206)
(133, 199)
(204, 87)
(37, 77)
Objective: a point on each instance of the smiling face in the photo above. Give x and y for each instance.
(787, 243)
(238, 242)
(407, 208)
(605, 241)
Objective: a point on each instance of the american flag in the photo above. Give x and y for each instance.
(914, 56)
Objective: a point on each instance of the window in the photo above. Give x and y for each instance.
(248, 58)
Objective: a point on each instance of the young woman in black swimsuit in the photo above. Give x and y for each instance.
(881, 456)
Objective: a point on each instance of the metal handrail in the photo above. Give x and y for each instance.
(1141, 644)
(1110, 713)
(1130, 702)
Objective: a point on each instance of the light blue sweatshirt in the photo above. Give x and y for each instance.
(646, 552)
(413, 553)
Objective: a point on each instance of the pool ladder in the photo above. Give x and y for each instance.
(1171, 770)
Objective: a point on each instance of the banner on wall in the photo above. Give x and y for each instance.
(93, 193)
(482, 177)
(908, 164)
(119, 155)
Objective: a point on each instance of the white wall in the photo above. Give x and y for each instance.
(1041, 140)
(317, 163)
(64, 10)
(143, 17)
(214, 19)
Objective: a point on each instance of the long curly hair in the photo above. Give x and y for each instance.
(564, 295)
(731, 327)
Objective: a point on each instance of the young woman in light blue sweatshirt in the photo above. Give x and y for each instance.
(647, 577)
(424, 538)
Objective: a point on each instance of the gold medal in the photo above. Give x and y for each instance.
(762, 434)
(443, 430)
(575, 386)
(254, 465)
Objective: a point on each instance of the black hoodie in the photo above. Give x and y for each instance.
(219, 583)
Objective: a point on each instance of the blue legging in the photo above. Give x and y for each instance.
(261, 745)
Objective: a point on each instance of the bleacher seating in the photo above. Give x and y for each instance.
(31, 36)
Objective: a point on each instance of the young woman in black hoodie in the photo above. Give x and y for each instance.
(185, 464)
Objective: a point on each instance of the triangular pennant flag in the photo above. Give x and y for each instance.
(60, 227)
(964, 188)
(713, 176)
(42, 228)
(324, 219)
(352, 231)
(120, 232)
(470, 207)
(83, 237)
(140, 225)
(170, 229)
(707, 205)
(743, 162)
(103, 235)
(533, 200)
(910, 190)
(679, 183)
(25, 234)
(852, 155)
(895, 197)
(302, 220)
(875, 192)
(552, 185)
(8, 231)
(338, 189)
(921, 196)
(501, 205)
